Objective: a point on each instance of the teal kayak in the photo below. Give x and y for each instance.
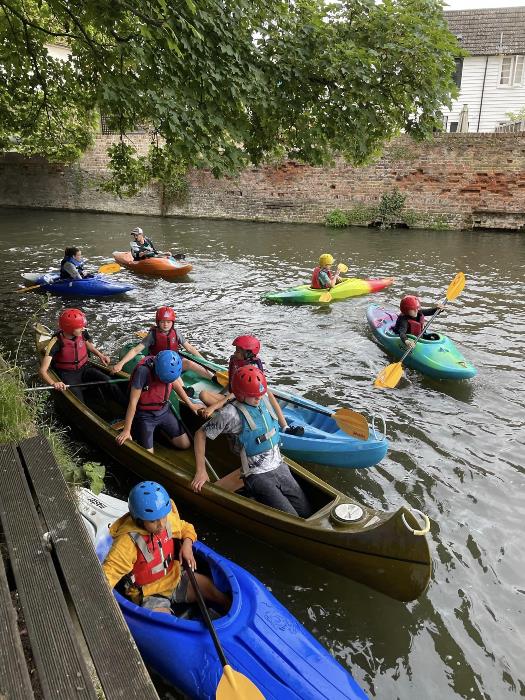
(439, 359)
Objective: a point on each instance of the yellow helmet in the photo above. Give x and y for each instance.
(325, 260)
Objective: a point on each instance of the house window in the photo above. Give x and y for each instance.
(453, 127)
(458, 72)
(512, 69)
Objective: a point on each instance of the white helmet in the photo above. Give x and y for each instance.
(137, 231)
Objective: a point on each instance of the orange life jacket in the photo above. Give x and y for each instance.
(155, 556)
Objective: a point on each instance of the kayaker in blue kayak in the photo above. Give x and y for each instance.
(72, 265)
(164, 336)
(149, 545)
(247, 349)
(412, 320)
(142, 247)
(322, 276)
(252, 423)
(67, 354)
(149, 408)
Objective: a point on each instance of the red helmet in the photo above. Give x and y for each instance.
(71, 319)
(409, 303)
(165, 313)
(247, 342)
(248, 381)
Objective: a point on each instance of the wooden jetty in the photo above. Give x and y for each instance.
(76, 636)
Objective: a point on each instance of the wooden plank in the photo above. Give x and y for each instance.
(61, 669)
(117, 661)
(15, 683)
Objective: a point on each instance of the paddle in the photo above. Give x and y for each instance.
(50, 386)
(28, 289)
(350, 422)
(389, 377)
(109, 268)
(326, 296)
(232, 683)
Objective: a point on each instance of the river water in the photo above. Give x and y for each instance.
(456, 451)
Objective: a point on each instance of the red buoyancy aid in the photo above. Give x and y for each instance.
(235, 363)
(155, 556)
(155, 394)
(72, 354)
(415, 325)
(315, 284)
(163, 341)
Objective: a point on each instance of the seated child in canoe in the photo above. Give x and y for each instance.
(144, 557)
(322, 276)
(252, 423)
(67, 354)
(143, 247)
(72, 265)
(247, 349)
(412, 320)
(151, 383)
(164, 336)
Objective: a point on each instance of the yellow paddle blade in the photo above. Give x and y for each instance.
(141, 334)
(456, 286)
(389, 377)
(109, 268)
(325, 297)
(351, 422)
(234, 686)
(342, 267)
(222, 377)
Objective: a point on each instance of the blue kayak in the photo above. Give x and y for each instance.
(439, 359)
(260, 638)
(96, 286)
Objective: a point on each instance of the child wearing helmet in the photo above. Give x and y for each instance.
(322, 276)
(247, 349)
(143, 557)
(412, 320)
(151, 383)
(164, 336)
(67, 354)
(252, 423)
(72, 265)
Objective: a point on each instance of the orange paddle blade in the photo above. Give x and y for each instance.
(109, 268)
(389, 377)
(234, 686)
(141, 334)
(222, 377)
(351, 422)
(456, 286)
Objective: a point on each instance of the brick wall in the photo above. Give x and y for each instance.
(455, 181)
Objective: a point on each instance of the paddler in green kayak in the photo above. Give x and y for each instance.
(412, 320)
(253, 426)
(322, 276)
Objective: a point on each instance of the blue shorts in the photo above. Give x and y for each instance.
(146, 422)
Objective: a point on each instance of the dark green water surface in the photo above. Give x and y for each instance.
(457, 449)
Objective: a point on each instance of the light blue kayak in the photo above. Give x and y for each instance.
(439, 358)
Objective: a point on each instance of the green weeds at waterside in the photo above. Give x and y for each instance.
(22, 414)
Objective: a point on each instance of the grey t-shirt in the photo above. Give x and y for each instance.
(149, 339)
(227, 420)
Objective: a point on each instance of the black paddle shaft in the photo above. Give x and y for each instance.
(206, 614)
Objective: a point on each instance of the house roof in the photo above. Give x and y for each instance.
(489, 32)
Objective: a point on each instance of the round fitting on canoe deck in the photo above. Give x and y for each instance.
(346, 513)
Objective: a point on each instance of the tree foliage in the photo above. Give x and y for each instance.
(222, 82)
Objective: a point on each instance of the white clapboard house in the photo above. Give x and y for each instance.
(491, 78)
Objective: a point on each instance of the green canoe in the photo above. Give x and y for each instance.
(381, 550)
(349, 287)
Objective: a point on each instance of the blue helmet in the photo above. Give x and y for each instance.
(148, 501)
(168, 366)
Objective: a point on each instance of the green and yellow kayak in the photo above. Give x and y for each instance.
(349, 287)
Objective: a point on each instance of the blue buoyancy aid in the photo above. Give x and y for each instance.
(260, 427)
(79, 264)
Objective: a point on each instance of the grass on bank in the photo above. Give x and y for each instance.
(23, 414)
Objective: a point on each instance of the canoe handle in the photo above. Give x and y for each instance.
(426, 520)
(381, 435)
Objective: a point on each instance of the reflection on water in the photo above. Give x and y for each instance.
(456, 449)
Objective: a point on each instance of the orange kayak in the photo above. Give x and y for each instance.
(168, 268)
